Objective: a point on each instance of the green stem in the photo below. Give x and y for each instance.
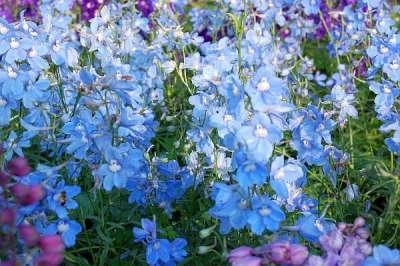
(351, 144)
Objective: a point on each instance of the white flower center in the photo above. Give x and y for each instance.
(235, 91)
(264, 211)
(79, 127)
(260, 132)
(306, 143)
(32, 52)
(393, 40)
(3, 30)
(57, 46)
(386, 90)
(250, 167)
(114, 166)
(33, 33)
(394, 65)
(383, 49)
(25, 25)
(118, 75)
(99, 36)
(11, 73)
(319, 225)
(263, 85)
(228, 118)
(62, 227)
(243, 204)
(85, 140)
(280, 174)
(2, 102)
(14, 44)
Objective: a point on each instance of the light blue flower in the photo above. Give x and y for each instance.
(383, 256)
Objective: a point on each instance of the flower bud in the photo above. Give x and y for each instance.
(297, 254)
(278, 252)
(246, 261)
(4, 179)
(365, 248)
(29, 235)
(7, 216)
(242, 251)
(362, 232)
(358, 222)
(206, 232)
(342, 226)
(332, 241)
(8, 263)
(51, 244)
(19, 166)
(49, 259)
(204, 249)
(27, 194)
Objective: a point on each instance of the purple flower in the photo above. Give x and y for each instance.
(145, 7)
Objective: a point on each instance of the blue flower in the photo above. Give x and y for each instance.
(121, 163)
(379, 51)
(311, 7)
(61, 199)
(251, 173)
(35, 56)
(383, 256)
(285, 177)
(386, 95)
(7, 104)
(343, 102)
(14, 144)
(68, 229)
(13, 82)
(232, 206)
(79, 130)
(158, 250)
(148, 231)
(266, 214)
(259, 137)
(268, 93)
(372, 3)
(178, 252)
(392, 67)
(311, 228)
(15, 48)
(37, 92)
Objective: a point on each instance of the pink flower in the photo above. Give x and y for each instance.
(243, 256)
(28, 234)
(7, 216)
(242, 251)
(19, 166)
(49, 259)
(51, 244)
(297, 254)
(246, 261)
(27, 194)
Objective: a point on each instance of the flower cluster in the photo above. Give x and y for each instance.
(384, 58)
(90, 96)
(159, 250)
(347, 244)
(16, 197)
(277, 253)
(10, 10)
